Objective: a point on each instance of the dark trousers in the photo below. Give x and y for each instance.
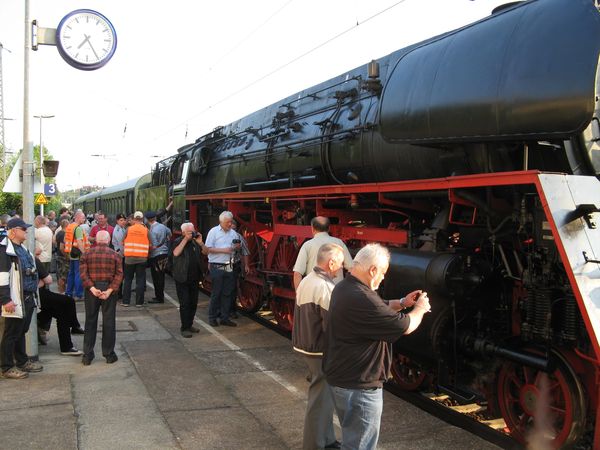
(109, 332)
(158, 277)
(318, 420)
(12, 347)
(223, 284)
(237, 273)
(139, 270)
(62, 308)
(187, 294)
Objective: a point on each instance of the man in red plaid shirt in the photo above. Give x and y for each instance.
(101, 272)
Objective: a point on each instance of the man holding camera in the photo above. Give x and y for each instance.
(221, 249)
(18, 284)
(186, 272)
(159, 252)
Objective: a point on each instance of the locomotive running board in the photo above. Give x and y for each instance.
(570, 203)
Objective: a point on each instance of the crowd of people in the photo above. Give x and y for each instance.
(342, 327)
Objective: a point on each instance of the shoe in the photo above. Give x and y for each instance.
(193, 329)
(72, 352)
(86, 361)
(213, 323)
(228, 323)
(32, 366)
(126, 305)
(186, 333)
(334, 444)
(77, 330)
(139, 306)
(233, 315)
(112, 358)
(14, 374)
(155, 300)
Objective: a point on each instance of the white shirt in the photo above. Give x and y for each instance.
(307, 255)
(219, 238)
(43, 240)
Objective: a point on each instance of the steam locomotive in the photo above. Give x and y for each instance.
(473, 156)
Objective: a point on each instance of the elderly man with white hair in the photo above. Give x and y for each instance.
(187, 250)
(101, 270)
(221, 244)
(360, 330)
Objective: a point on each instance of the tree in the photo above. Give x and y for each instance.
(14, 202)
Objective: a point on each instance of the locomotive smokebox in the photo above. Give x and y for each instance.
(446, 277)
(441, 274)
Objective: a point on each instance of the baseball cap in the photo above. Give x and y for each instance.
(17, 222)
(150, 214)
(138, 215)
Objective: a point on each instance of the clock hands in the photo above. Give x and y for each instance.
(87, 39)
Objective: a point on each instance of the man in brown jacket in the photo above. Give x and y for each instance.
(312, 303)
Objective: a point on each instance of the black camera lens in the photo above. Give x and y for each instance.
(194, 234)
(236, 241)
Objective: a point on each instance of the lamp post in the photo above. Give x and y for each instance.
(42, 155)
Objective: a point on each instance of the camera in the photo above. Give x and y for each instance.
(195, 234)
(236, 241)
(30, 271)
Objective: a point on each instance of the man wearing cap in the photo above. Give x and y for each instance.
(160, 237)
(18, 284)
(136, 246)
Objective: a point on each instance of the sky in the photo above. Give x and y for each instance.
(184, 67)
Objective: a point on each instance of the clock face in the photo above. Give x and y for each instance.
(86, 39)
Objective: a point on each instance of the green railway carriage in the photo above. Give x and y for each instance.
(121, 198)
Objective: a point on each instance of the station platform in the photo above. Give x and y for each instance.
(225, 388)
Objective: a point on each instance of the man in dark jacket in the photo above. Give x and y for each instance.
(186, 273)
(18, 284)
(361, 328)
(312, 303)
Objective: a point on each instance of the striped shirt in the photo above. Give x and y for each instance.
(101, 263)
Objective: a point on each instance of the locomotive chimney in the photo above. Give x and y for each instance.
(373, 69)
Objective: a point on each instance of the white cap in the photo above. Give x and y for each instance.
(138, 215)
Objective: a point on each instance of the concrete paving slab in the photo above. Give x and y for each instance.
(115, 410)
(175, 379)
(286, 418)
(39, 427)
(255, 389)
(222, 429)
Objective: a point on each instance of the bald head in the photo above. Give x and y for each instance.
(102, 237)
(319, 224)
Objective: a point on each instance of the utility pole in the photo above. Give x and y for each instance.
(2, 119)
(28, 166)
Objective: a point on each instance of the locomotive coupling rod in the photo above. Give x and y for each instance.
(526, 358)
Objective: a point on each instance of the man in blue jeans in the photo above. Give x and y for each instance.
(75, 238)
(221, 244)
(360, 329)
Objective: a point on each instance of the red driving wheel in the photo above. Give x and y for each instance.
(407, 374)
(250, 296)
(540, 405)
(283, 311)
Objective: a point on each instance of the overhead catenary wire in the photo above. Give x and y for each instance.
(279, 68)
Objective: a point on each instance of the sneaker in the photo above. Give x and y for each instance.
(72, 352)
(155, 301)
(77, 330)
(186, 333)
(138, 306)
(193, 329)
(32, 366)
(213, 323)
(14, 374)
(112, 358)
(228, 323)
(125, 305)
